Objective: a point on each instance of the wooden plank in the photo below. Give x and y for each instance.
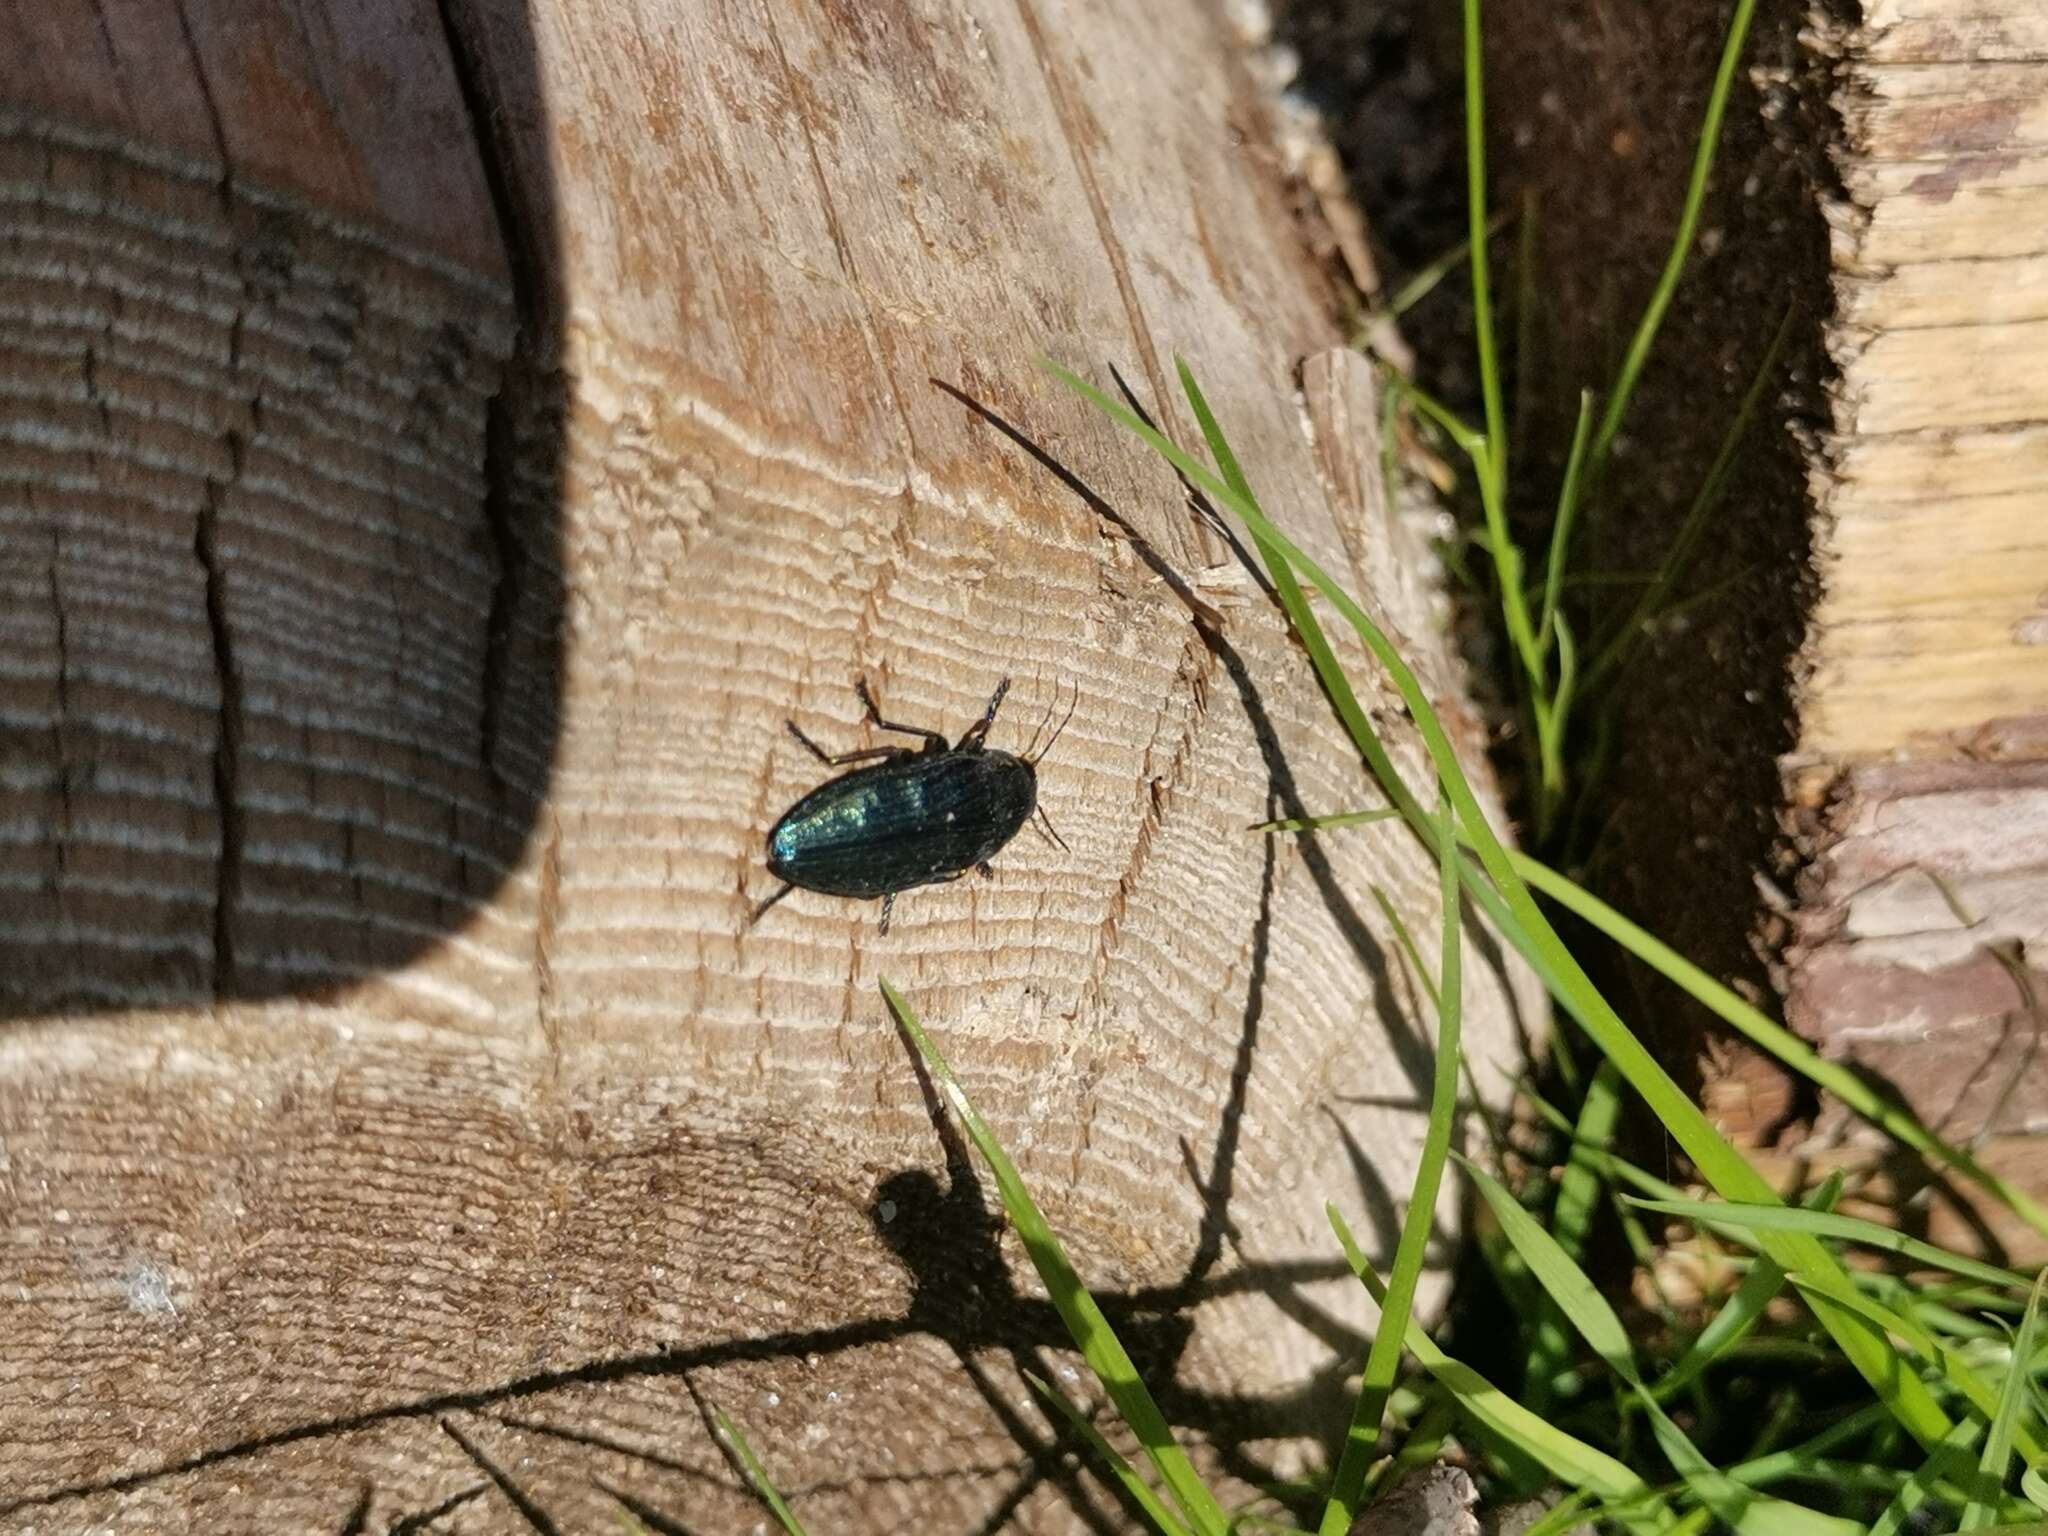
(1918, 788)
(400, 1052)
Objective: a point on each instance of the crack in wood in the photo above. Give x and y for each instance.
(228, 739)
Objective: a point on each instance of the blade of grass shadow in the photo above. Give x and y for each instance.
(1383, 1360)
(1721, 1165)
(1091, 1331)
(1125, 1474)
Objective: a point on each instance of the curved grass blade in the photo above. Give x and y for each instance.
(1721, 1165)
(1742, 1311)
(1091, 1331)
(1383, 1360)
(1851, 1229)
(1581, 1303)
(1894, 1119)
(1561, 524)
(2006, 1422)
(1569, 1458)
(1650, 603)
(1889, 1116)
(1681, 242)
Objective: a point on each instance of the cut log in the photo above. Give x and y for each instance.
(443, 448)
(1919, 786)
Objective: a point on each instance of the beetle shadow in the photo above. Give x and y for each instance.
(330, 749)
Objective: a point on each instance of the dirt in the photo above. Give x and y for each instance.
(1593, 111)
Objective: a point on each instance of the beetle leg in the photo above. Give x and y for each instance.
(755, 916)
(888, 902)
(978, 732)
(988, 871)
(840, 759)
(933, 740)
(1050, 833)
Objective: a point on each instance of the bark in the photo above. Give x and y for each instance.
(1919, 787)
(443, 448)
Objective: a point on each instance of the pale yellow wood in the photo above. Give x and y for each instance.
(1933, 534)
(387, 1043)
(1920, 783)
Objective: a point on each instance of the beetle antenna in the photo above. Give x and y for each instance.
(1032, 744)
(1034, 760)
(755, 916)
(1048, 831)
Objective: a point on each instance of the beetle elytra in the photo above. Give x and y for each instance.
(911, 816)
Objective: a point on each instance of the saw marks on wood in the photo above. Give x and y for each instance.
(251, 575)
(1935, 539)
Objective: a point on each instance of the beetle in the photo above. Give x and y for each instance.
(913, 816)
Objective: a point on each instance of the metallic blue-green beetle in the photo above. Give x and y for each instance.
(918, 816)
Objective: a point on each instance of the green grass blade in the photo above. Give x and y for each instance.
(1571, 1219)
(1835, 1286)
(1568, 1514)
(1729, 1326)
(1649, 604)
(1779, 1218)
(1468, 439)
(1561, 526)
(1091, 1331)
(1681, 244)
(1125, 1474)
(1383, 1361)
(1954, 1369)
(1580, 1301)
(1945, 1462)
(1494, 470)
(1423, 976)
(755, 1474)
(2005, 1423)
(1237, 494)
(1559, 713)
(1566, 1283)
(1894, 1119)
(1721, 1165)
(1424, 282)
(1570, 1459)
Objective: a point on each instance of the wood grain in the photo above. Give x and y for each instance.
(1917, 791)
(454, 1138)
